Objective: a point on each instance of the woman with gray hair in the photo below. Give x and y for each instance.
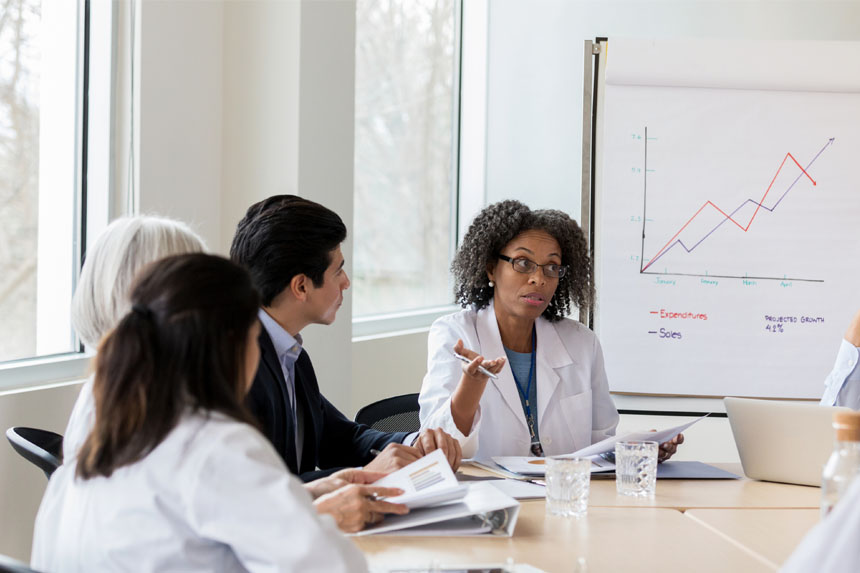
(101, 298)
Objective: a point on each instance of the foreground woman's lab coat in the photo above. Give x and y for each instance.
(574, 406)
(214, 496)
(832, 544)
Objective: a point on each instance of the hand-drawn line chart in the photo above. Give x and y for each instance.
(769, 201)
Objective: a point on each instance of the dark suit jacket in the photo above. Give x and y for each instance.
(331, 440)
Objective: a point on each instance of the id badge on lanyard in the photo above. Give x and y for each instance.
(536, 448)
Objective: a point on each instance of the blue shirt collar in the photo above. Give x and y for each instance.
(286, 346)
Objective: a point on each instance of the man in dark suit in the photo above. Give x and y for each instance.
(291, 247)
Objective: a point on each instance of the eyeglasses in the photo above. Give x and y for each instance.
(528, 266)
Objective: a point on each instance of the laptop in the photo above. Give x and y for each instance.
(786, 442)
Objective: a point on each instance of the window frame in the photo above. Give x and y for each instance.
(94, 112)
(468, 162)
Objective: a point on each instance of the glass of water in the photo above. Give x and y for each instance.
(567, 481)
(636, 468)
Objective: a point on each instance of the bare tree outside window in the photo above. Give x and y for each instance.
(404, 109)
(20, 56)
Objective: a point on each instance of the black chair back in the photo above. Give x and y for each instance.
(41, 447)
(397, 414)
(9, 565)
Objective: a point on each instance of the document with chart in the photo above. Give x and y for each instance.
(424, 482)
(439, 505)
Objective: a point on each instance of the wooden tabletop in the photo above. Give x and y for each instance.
(687, 494)
(771, 534)
(610, 539)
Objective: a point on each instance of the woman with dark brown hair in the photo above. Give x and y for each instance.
(173, 474)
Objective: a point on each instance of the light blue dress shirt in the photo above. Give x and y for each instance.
(288, 349)
(842, 386)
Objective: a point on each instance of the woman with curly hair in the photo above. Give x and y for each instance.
(517, 275)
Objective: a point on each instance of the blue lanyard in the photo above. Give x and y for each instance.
(525, 394)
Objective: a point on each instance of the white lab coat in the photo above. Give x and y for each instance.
(574, 406)
(831, 545)
(214, 496)
(80, 422)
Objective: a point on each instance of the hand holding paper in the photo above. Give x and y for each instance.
(443, 506)
(608, 444)
(426, 481)
(532, 466)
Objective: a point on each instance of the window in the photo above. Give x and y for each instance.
(405, 154)
(41, 65)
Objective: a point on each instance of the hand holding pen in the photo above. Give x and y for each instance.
(475, 365)
(466, 397)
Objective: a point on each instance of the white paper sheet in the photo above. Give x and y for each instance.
(519, 489)
(493, 468)
(482, 498)
(608, 444)
(533, 466)
(427, 481)
(470, 568)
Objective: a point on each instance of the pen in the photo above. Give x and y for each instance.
(374, 452)
(481, 369)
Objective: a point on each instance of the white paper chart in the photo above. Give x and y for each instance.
(728, 221)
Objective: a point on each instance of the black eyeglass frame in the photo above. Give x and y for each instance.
(562, 269)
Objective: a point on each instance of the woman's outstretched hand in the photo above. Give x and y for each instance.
(467, 394)
(472, 369)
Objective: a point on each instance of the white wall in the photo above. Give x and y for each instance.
(385, 367)
(534, 103)
(180, 81)
(243, 100)
(21, 483)
(326, 164)
(261, 107)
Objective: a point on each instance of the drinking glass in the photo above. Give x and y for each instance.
(636, 468)
(567, 481)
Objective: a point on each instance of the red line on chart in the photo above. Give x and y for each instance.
(728, 217)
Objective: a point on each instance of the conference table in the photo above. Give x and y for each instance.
(702, 525)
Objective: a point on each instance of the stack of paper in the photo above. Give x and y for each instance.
(439, 505)
(427, 481)
(533, 466)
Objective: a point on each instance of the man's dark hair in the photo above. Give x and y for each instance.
(181, 347)
(284, 236)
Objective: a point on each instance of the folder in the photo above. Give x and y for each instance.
(483, 511)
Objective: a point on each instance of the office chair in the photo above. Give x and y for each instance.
(397, 414)
(9, 565)
(41, 447)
